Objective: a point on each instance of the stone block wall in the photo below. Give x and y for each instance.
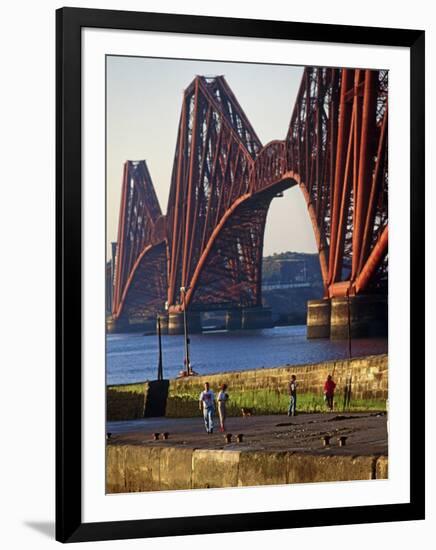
(126, 401)
(267, 389)
(137, 468)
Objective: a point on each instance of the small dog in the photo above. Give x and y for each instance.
(247, 412)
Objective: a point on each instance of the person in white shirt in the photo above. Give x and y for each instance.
(223, 396)
(207, 405)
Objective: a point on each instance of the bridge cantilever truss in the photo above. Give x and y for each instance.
(210, 242)
(139, 286)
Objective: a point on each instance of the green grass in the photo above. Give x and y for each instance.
(265, 401)
(128, 388)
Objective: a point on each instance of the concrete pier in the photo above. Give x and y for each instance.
(125, 325)
(256, 318)
(163, 324)
(318, 318)
(234, 319)
(176, 323)
(273, 452)
(116, 326)
(366, 315)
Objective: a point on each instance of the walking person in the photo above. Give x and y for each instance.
(207, 405)
(223, 397)
(329, 391)
(292, 389)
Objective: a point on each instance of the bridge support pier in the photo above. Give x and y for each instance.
(318, 318)
(163, 323)
(176, 323)
(124, 324)
(368, 317)
(234, 319)
(114, 326)
(256, 317)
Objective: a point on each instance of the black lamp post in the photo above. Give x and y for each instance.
(159, 337)
(349, 323)
(185, 327)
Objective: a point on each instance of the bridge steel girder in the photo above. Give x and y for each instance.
(337, 145)
(145, 290)
(215, 152)
(141, 226)
(210, 242)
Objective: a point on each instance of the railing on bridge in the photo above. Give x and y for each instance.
(269, 167)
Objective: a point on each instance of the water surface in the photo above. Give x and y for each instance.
(134, 357)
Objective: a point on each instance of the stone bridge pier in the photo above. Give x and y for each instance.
(234, 319)
(363, 316)
(125, 324)
(256, 317)
(176, 322)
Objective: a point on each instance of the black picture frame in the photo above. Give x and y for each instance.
(69, 525)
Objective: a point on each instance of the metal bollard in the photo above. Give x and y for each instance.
(239, 438)
(342, 440)
(165, 435)
(228, 438)
(156, 436)
(326, 440)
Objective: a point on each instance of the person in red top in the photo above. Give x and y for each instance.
(329, 391)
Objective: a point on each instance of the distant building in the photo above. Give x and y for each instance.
(289, 280)
(291, 270)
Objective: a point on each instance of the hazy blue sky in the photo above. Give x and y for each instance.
(144, 98)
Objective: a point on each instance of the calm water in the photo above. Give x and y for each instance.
(133, 357)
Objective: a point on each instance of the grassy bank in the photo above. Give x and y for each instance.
(136, 388)
(264, 390)
(265, 401)
(126, 401)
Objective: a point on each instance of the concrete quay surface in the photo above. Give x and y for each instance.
(276, 450)
(366, 433)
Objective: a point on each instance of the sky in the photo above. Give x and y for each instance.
(144, 99)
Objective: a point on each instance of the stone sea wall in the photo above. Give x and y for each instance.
(265, 390)
(135, 468)
(126, 401)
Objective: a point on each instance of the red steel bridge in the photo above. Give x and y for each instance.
(205, 253)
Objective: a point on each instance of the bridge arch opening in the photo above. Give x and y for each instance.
(291, 274)
(288, 225)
